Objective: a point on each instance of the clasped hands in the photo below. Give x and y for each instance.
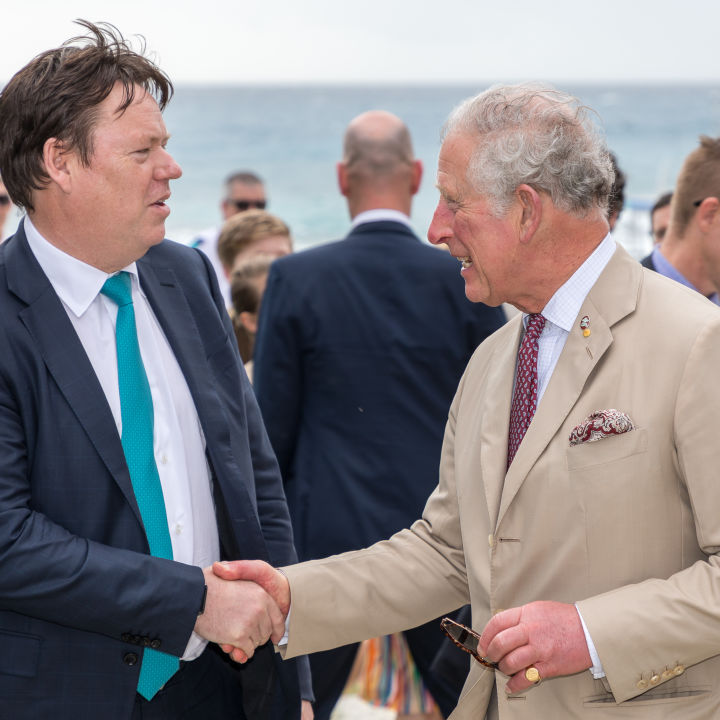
(243, 614)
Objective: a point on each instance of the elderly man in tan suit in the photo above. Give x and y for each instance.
(578, 505)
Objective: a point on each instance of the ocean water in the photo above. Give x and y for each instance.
(292, 137)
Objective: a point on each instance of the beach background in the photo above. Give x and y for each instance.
(292, 136)
(271, 86)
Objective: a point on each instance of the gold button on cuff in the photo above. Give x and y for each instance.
(655, 679)
(642, 685)
(679, 670)
(667, 674)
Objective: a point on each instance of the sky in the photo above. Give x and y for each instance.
(392, 41)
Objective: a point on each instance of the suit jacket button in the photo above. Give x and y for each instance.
(642, 684)
(678, 670)
(146, 642)
(130, 658)
(667, 674)
(655, 679)
(155, 644)
(126, 637)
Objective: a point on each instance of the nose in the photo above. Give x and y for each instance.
(441, 225)
(167, 168)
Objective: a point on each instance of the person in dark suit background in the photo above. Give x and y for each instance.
(690, 250)
(132, 452)
(360, 346)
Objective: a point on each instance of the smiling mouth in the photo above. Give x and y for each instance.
(466, 262)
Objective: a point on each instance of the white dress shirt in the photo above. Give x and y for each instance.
(178, 440)
(379, 215)
(560, 313)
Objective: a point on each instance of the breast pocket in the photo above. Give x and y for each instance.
(608, 450)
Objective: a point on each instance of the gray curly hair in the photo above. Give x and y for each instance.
(539, 136)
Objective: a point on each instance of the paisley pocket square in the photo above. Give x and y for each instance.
(601, 424)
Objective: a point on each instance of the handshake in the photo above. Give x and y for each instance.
(247, 603)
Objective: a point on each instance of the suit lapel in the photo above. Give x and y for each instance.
(607, 302)
(495, 420)
(173, 312)
(57, 342)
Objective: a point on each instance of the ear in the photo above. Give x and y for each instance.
(59, 163)
(417, 173)
(530, 211)
(708, 214)
(249, 321)
(227, 209)
(342, 178)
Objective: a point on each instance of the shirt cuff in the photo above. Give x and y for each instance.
(284, 638)
(597, 668)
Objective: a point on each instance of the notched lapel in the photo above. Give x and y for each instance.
(607, 302)
(171, 307)
(66, 360)
(577, 361)
(495, 421)
(173, 313)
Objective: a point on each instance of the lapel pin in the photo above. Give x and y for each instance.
(585, 326)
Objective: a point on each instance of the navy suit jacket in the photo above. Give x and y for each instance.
(360, 347)
(80, 595)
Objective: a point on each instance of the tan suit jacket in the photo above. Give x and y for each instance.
(627, 526)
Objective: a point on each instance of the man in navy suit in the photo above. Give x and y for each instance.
(360, 348)
(98, 618)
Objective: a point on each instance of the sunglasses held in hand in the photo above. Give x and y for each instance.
(466, 639)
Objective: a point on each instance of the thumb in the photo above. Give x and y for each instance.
(266, 576)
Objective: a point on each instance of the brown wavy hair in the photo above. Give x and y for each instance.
(57, 94)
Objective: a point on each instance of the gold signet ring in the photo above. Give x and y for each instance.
(532, 675)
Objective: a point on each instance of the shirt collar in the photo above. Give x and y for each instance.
(76, 283)
(564, 306)
(666, 268)
(379, 214)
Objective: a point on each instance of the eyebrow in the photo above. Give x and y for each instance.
(447, 195)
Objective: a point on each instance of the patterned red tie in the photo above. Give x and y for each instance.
(524, 399)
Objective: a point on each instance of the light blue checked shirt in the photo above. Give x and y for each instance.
(562, 310)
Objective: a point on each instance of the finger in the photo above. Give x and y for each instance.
(239, 656)
(506, 641)
(518, 659)
(239, 569)
(518, 682)
(272, 581)
(235, 653)
(497, 623)
(276, 619)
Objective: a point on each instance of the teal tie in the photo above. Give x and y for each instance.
(136, 410)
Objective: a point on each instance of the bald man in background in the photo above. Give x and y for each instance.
(360, 347)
